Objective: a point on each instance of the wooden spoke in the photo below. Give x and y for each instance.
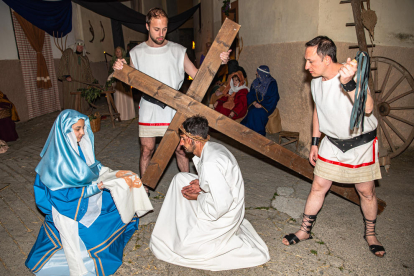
(402, 107)
(387, 135)
(400, 96)
(394, 129)
(393, 88)
(387, 76)
(375, 78)
(386, 103)
(401, 119)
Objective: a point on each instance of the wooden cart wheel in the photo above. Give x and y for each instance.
(394, 97)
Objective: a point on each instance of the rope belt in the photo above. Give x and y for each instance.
(194, 137)
(346, 144)
(358, 109)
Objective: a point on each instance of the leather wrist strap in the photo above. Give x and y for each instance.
(315, 141)
(350, 86)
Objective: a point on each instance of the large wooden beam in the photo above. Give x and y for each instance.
(189, 107)
(197, 90)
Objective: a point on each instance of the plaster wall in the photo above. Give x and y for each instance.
(7, 41)
(96, 48)
(395, 26)
(206, 33)
(276, 21)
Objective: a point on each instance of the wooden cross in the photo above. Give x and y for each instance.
(188, 105)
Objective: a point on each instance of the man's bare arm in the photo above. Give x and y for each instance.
(369, 104)
(313, 154)
(189, 67)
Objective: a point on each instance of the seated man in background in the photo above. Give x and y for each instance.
(233, 103)
(201, 223)
(262, 100)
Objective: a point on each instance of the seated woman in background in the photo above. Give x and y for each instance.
(233, 103)
(124, 100)
(82, 233)
(262, 100)
(8, 115)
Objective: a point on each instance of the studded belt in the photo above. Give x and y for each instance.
(346, 144)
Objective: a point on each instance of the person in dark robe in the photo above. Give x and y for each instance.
(233, 103)
(74, 71)
(8, 115)
(262, 100)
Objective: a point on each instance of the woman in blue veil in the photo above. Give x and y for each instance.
(82, 233)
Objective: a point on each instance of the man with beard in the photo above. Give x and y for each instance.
(73, 69)
(201, 223)
(166, 62)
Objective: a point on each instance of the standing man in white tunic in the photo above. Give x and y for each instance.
(201, 223)
(345, 156)
(166, 62)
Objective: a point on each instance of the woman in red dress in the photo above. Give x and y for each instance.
(233, 103)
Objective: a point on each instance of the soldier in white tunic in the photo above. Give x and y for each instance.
(201, 223)
(345, 156)
(167, 62)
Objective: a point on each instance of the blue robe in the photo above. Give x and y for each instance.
(105, 239)
(257, 118)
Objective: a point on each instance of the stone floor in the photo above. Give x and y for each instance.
(275, 198)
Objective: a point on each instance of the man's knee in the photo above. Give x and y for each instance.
(182, 179)
(368, 194)
(146, 151)
(320, 185)
(366, 191)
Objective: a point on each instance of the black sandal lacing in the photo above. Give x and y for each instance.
(370, 231)
(307, 223)
(305, 227)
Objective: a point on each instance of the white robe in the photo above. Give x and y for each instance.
(210, 232)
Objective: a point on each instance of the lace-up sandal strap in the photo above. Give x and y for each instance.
(370, 227)
(307, 223)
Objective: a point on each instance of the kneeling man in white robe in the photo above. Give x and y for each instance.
(201, 223)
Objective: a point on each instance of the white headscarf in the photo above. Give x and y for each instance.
(86, 146)
(235, 89)
(78, 42)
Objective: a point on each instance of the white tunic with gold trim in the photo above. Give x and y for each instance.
(334, 108)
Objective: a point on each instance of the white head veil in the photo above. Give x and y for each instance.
(78, 42)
